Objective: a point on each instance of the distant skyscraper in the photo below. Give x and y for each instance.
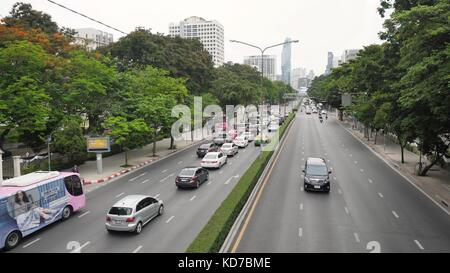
(92, 38)
(311, 75)
(286, 62)
(210, 33)
(349, 54)
(270, 62)
(329, 63)
(296, 74)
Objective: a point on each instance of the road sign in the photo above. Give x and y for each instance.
(346, 99)
(98, 145)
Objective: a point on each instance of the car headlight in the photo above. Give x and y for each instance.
(307, 179)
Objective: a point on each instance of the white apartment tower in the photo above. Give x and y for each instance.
(92, 38)
(210, 34)
(270, 62)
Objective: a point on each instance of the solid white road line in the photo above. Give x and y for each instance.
(356, 237)
(300, 232)
(179, 162)
(381, 195)
(134, 178)
(120, 194)
(77, 250)
(164, 171)
(346, 210)
(395, 214)
(87, 212)
(193, 197)
(156, 196)
(170, 219)
(137, 249)
(418, 244)
(145, 181)
(32, 242)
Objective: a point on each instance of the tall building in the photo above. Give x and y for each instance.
(310, 75)
(286, 62)
(270, 62)
(210, 34)
(330, 59)
(349, 54)
(92, 38)
(296, 74)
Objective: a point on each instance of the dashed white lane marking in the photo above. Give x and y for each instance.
(346, 210)
(77, 250)
(167, 177)
(164, 171)
(170, 219)
(209, 183)
(381, 195)
(156, 196)
(339, 191)
(350, 155)
(193, 197)
(145, 181)
(237, 156)
(86, 213)
(120, 194)
(228, 180)
(221, 172)
(30, 243)
(362, 170)
(301, 188)
(356, 237)
(134, 178)
(137, 249)
(370, 181)
(395, 214)
(356, 162)
(179, 162)
(418, 244)
(331, 168)
(328, 160)
(301, 206)
(300, 232)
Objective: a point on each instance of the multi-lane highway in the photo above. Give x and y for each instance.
(370, 207)
(186, 210)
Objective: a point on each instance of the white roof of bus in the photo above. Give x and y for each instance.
(29, 179)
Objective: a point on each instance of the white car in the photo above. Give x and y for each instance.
(241, 141)
(230, 149)
(273, 127)
(314, 111)
(214, 160)
(250, 137)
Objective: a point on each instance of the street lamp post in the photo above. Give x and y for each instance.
(262, 50)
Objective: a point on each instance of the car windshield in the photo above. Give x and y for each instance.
(204, 146)
(316, 170)
(226, 146)
(210, 156)
(120, 211)
(187, 172)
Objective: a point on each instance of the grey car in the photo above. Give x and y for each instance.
(132, 212)
(317, 175)
(222, 138)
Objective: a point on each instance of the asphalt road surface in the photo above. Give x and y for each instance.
(186, 210)
(370, 208)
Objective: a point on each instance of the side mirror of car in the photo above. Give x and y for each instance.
(329, 172)
(303, 171)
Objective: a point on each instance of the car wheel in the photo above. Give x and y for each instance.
(197, 185)
(138, 229)
(161, 210)
(67, 211)
(12, 240)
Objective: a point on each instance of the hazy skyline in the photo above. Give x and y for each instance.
(320, 25)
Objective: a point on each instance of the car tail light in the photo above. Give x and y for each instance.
(203, 161)
(213, 161)
(108, 219)
(193, 179)
(130, 220)
(177, 179)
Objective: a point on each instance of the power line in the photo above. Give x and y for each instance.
(92, 19)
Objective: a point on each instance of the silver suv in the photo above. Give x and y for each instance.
(132, 212)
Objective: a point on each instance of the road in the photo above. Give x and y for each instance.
(371, 208)
(186, 210)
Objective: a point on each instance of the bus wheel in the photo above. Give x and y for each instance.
(67, 211)
(12, 240)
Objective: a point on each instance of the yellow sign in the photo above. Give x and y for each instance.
(98, 144)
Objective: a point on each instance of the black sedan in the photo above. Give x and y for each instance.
(191, 177)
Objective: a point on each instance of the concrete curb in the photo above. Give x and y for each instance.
(142, 164)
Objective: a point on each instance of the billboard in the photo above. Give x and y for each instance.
(346, 99)
(98, 145)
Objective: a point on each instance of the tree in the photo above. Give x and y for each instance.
(23, 14)
(127, 134)
(70, 140)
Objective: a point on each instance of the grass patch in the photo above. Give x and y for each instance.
(214, 233)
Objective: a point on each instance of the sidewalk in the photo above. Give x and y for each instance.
(437, 182)
(136, 158)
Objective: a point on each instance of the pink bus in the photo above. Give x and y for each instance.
(35, 200)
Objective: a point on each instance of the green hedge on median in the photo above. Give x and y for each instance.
(214, 233)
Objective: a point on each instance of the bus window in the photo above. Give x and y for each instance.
(73, 185)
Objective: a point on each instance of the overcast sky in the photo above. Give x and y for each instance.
(320, 25)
